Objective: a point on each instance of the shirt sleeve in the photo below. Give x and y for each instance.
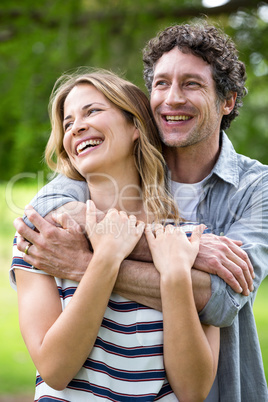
(252, 229)
(56, 193)
(19, 263)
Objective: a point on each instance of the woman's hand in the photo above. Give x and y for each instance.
(170, 247)
(116, 235)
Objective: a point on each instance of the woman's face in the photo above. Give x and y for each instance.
(98, 138)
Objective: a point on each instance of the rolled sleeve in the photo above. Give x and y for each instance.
(221, 308)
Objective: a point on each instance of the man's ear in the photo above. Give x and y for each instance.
(229, 103)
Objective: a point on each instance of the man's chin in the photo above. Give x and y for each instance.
(174, 142)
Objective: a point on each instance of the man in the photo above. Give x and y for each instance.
(196, 85)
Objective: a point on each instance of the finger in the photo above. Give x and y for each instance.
(112, 211)
(149, 233)
(239, 253)
(123, 215)
(239, 286)
(169, 229)
(237, 262)
(243, 278)
(237, 242)
(133, 220)
(27, 248)
(66, 222)
(36, 219)
(21, 246)
(90, 217)
(21, 243)
(140, 227)
(197, 233)
(242, 267)
(24, 230)
(159, 229)
(243, 256)
(228, 240)
(112, 215)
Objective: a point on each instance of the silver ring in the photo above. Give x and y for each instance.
(26, 251)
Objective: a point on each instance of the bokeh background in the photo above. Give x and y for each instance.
(39, 40)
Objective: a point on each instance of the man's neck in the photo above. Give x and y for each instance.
(191, 164)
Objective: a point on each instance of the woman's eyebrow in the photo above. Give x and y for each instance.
(84, 108)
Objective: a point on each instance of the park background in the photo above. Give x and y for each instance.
(39, 40)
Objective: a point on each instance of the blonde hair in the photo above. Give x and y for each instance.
(147, 148)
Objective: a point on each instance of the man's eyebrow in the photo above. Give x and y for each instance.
(84, 108)
(185, 76)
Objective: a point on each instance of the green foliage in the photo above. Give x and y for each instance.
(17, 372)
(41, 40)
(261, 317)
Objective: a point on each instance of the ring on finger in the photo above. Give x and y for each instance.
(26, 251)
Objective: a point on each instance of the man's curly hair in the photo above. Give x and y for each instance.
(213, 46)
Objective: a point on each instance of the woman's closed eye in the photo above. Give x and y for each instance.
(67, 126)
(88, 113)
(93, 110)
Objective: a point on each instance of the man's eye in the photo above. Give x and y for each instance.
(193, 84)
(160, 83)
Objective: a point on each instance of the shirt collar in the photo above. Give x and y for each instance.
(226, 166)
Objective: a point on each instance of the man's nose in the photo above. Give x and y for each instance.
(175, 96)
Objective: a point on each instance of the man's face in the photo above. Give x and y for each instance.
(184, 101)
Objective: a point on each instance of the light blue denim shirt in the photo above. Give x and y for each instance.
(234, 203)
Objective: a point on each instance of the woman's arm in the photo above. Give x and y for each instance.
(60, 341)
(65, 254)
(190, 349)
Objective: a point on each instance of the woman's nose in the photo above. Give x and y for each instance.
(79, 127)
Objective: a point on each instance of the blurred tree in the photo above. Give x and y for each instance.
(41, 40)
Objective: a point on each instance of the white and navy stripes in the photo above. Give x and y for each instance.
(126, 363)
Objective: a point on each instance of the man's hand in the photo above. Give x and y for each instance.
(60, 251)
(224, 257)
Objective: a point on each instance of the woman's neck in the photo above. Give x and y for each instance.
(123, 193)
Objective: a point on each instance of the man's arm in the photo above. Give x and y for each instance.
(69, 261)
(58, 192)
(251, 228)
(64, 252)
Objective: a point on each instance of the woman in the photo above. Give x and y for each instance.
(86, 342)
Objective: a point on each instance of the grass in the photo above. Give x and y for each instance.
(261, 317)
(17, 373)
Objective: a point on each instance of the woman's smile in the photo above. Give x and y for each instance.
(98, 137)
(87, 144)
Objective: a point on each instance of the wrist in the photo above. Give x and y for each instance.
(175, 278)
(106, 259)
(201, 288)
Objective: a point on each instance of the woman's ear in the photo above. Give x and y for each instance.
(229, 103)
(136, 131)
